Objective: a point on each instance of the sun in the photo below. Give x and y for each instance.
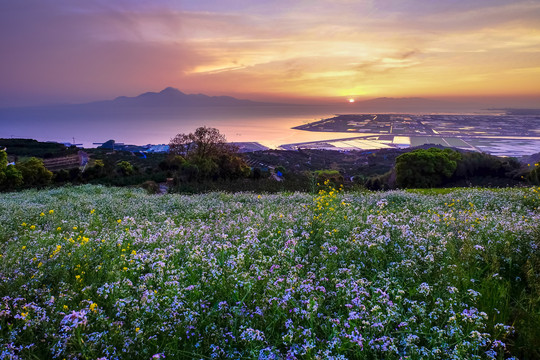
(351, 100)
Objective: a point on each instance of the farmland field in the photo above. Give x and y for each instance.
(92, 272)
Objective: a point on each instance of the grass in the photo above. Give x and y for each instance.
(93, 272)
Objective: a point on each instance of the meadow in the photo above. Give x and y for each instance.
(92, 272)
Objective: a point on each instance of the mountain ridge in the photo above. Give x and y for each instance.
(172, 97)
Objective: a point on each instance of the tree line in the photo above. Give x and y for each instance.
(434, 167)
(205, 161)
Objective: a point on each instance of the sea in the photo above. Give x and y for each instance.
(270, 126)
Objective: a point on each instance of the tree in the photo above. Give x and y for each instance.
(205, 142)
(10, 176)
(96, 171)
(34, 172)
(13, 178)
(3, 166)
(205, 154)
(232, 167)
(125, 168)
(425, 168)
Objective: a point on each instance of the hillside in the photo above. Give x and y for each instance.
(107, 272)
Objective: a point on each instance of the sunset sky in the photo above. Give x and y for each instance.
(77, 51)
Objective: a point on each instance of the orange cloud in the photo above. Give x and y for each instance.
(319, 48)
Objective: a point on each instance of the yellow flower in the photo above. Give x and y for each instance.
(133, 252)
(32, 227)
(24, 247)
(40, 263)
(65, 307)
(42, 214)
(74, 228)
(23, 224)
(51, 211)
(119, 221)
(92, 211)
(137, 329)
(93, 307)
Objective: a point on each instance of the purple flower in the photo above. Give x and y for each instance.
(75, 319)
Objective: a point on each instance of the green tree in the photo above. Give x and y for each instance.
(14, 178)
(34, 172)
(232, 167)
(10, 176)
(96, 171)
(125, 168)
(207, 166)
(425, 168)
(3, 166)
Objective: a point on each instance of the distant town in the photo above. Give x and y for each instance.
(501, 135)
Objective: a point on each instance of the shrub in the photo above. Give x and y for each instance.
(10, 176)
(151, 187)
(125, 168)
(34, 172)
(534, 175)
(425, 168)
(331, 177)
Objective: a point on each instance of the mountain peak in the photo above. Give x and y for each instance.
(171, 90)
(172, 97)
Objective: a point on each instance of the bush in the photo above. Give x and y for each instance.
(151, 187)
(125, 168)
(534, 175)
(379, 182)
(333, 177)
(34, 172)
(10, 176)
(425, 168)
(475, 164)
(61, 176)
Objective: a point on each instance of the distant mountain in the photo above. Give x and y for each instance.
(171, 97)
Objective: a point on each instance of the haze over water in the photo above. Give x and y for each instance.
(270, 126)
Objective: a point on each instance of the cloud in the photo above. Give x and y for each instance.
(96, 48)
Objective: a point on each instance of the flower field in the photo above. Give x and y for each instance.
(105, 273)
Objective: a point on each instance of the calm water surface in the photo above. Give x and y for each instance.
(270, 126)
